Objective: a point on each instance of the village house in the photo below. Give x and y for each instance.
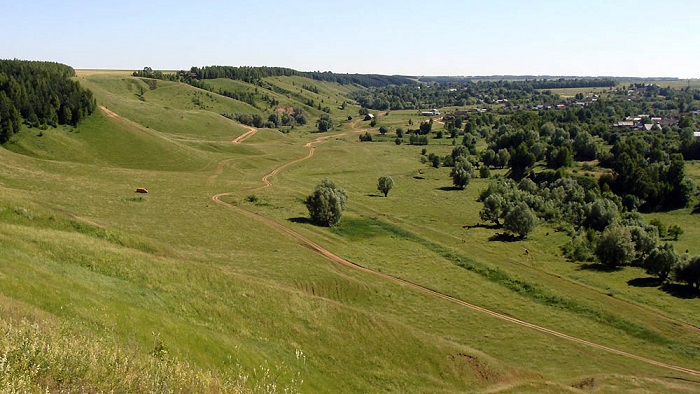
(432, 112)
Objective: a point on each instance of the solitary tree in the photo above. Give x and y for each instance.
(326, 204)
(384, 184)
(520, 220)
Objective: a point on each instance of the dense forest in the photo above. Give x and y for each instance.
(40, 93)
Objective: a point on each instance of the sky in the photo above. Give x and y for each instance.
(441, 37)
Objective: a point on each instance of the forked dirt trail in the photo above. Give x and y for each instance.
(337, 259)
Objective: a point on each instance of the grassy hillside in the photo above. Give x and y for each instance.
(172, 290)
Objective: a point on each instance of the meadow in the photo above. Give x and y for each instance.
(186, 294)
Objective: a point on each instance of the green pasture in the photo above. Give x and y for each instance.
(192, 293)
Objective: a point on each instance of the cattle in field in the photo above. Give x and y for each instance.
(141, 190)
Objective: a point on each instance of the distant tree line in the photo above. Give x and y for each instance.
(436, 95)
(540, 82)
(40, 93)
(295, 117)
(254, 74)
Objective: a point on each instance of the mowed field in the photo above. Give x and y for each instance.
(237, 304)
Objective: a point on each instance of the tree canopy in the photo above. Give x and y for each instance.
(40, 93)
(384, 184)
(326, 204)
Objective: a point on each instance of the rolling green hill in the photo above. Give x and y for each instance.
(172, 290)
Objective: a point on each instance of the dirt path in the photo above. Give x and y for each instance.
(337, 259)
(251, 131)
(109, 113)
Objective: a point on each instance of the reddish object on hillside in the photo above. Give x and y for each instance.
(141, 190)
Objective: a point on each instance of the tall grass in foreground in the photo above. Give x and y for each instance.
(37, 358)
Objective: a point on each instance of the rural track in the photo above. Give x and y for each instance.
(251, 131)
(422, 289)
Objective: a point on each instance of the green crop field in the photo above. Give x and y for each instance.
(171, 290)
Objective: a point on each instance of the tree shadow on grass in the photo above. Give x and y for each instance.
(644, 282)
(504, 237)
(597, 267)
(300, 220)
(449, 188)
(375, 195)
(681, 291)
(481, 225)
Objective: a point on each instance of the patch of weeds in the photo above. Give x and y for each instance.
(259, 201)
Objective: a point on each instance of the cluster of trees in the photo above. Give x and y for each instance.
(436, 95)
(647, 177)
(40, 93)
(601, 229)
(275, 120)
(148, 72)
(324, 123)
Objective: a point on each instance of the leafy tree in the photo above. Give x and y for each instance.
(488, 157)
(644, 238)
(462, 173)
(363, 111)
(520, 220)
(494, 209)
(675, 231)
(326, 204)
(274, 118)
(416, 139)
(384, 184)
(688, 271)
(366, 137)
(661, 261)
(521, 161)
(434, 160)
(383, 130)
(579, 248)
(603, 212)
(584, 147)
(502, 158)
(399, 132)
(425, 127)
(397, 141)
(615, 247)
(559, 157)
(459, 151)
(484, 172)
(324, 123)
(660, 226)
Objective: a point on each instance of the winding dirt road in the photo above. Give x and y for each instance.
(251, 130)
(337, 259)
